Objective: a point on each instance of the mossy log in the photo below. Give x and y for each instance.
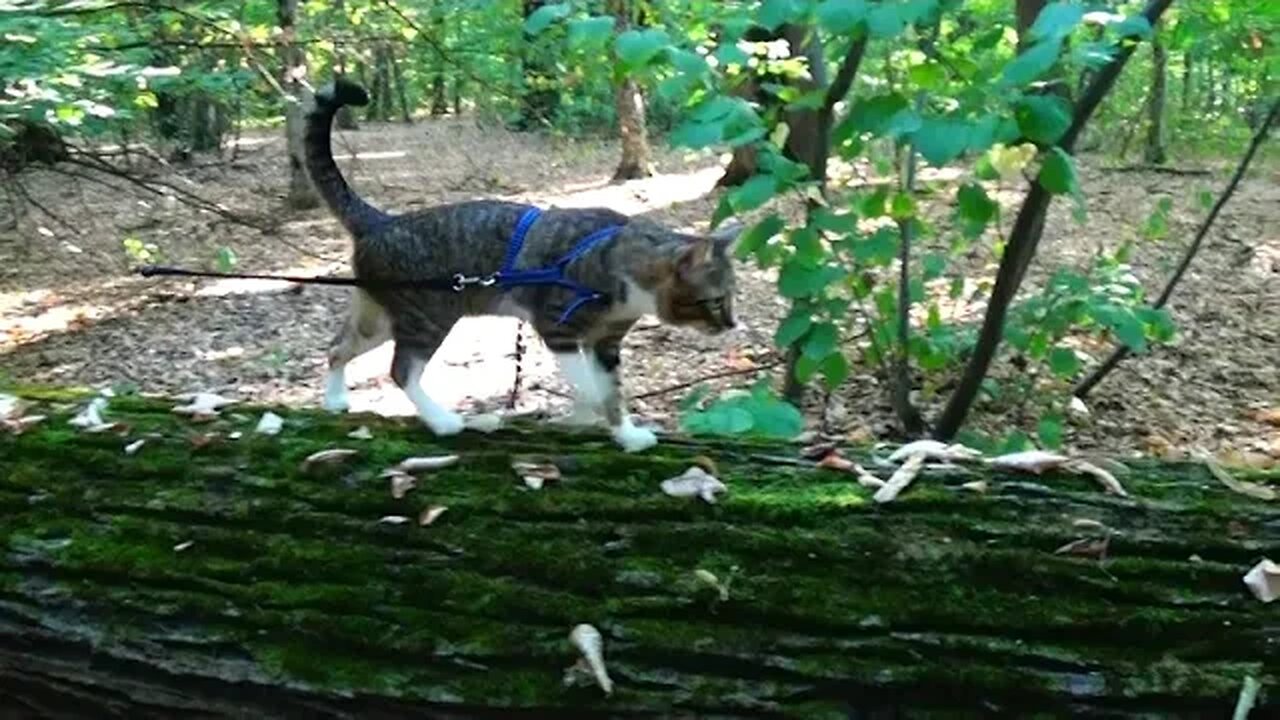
(211, 577)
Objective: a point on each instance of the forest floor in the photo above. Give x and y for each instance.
(71, 313)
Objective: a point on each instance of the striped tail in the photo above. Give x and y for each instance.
(357, 215)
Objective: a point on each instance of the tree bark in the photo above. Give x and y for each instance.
(1026, 12)
(302, 195)
(402, 92)
(540, 99)
(346, 117)
(636, 161)
(1154, 151)
(215, 578)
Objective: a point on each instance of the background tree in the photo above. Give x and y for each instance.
(636, 159)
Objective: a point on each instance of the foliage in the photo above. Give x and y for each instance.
(943, 84)
(755, 412)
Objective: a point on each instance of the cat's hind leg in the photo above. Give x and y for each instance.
(411, 358)
(365, 328)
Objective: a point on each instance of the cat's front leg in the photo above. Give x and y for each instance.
(595, 377)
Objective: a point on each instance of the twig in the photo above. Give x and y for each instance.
(1121, 352)
(912, 423)
(1159, 169)
(713, 376)
(1028, 228)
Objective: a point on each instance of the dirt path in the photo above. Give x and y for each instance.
(69, 312)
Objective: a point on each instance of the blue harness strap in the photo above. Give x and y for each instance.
(509, 277)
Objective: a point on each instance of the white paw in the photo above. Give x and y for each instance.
(579, 417)
(336, 402)
(445, 423)
(335, 393)
(634, 439)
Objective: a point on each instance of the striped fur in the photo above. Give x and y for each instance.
(683, 279)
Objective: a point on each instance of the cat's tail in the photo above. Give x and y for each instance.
(357, 215)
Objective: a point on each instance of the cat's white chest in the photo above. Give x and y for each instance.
(639, 302)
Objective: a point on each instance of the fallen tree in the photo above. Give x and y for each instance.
(210, 575)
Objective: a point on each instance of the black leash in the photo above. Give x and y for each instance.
(454, 283)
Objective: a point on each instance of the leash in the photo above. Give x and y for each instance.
(506, 278)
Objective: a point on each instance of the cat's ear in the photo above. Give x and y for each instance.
(694, 254)
(725, 237)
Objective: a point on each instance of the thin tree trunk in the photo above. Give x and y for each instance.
(1187, 73)
(459, 83)
(301, 195)
(402, 93)
(636, 159)
(346, 117)
(1154, 153)
(1026, 12)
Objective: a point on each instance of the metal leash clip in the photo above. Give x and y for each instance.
(462, 282)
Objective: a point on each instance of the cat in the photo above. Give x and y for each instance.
(641, 269)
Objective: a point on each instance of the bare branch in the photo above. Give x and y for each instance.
(1121, 352)
(1023, 240)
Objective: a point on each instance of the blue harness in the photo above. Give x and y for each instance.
(509, 277)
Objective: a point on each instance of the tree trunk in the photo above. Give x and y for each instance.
(1187, 72)
(439, 93)
(214, 578)
(1026, 12)
(1154, 151)
(402, 93)
(302, 195)
(458, 85)
(540, 98)
(636, 159)
(346, 117)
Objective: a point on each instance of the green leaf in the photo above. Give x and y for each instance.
(1015, 441)
(798, 280)
(776, 12)
(543, 17)
(821, 341)
(1033, 63)
(877, 115)
(689, 63)
(879, 249)
(1043, 118)
(1056, 20)
(793, 328)
(695, 135)
(635, 48)
(1063, 362)
(776, 418)
(226, 259)
(1206, 199)
(835, 370)
(841, 16)
(1049, 430)
(1058, 173)
(975, 208)
(590, 32)
(934, 264)
(758, 235)
(1134, 26)
(941, 140)
(755, 192)
(724, 419)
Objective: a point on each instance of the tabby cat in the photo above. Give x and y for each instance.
(642, 268)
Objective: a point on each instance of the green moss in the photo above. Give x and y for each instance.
(828, 591)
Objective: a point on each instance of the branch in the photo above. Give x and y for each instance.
(908, 414)
(1121, 352)
(844, 78)
(1023, 239)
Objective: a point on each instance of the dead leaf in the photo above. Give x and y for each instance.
(1028, 461)
(543, 470)
(327, 457)
(361, 433)
(19, 425)
(183, 545)
(430, 513)
(978, 486)
(133, 447)
(270, 424)
(1244, 487)
(706, 464)
(1106, 479)
(900, 479)
(533, 482)
(483, 423)
(1268, 416)
(1086, 547)
(709, 578)
(401, 484)
(936, 451)
(393, 519)
(1087, 524)
(90, 418)
(695, 482)
(202, 405)
(203, 440)
(589, 642)
(1263, 580)
(835, 461)
(818, 452)
(10, 406)
(431, 462)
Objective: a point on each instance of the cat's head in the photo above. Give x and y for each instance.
(698, 291)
